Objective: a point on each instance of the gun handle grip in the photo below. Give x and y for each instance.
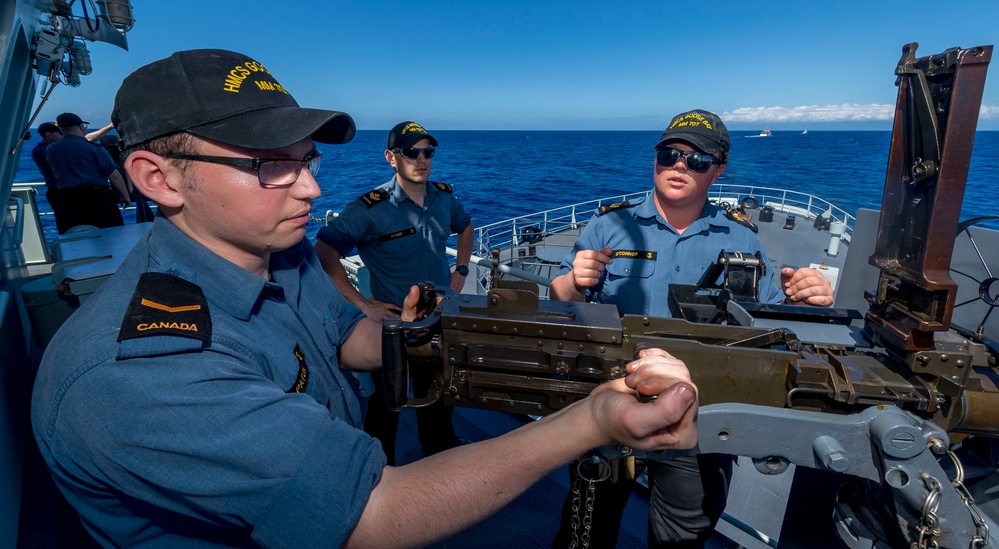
(641, 347)
(427, 301)
(395, 368)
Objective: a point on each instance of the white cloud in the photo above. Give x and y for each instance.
(846, 112)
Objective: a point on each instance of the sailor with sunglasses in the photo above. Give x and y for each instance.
(627, 255)
(196, 399)
(400, 229)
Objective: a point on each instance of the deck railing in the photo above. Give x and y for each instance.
(528, 233)
(518, 230)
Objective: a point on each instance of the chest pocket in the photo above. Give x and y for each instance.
(623, 267)
(438, 232)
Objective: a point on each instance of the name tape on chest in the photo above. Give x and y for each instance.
(397, 234)
(164, 304)
(634, 254)
(302, 379)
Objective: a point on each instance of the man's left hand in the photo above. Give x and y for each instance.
(409, 304)
(806, 286)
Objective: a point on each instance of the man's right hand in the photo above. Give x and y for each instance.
(666, 422)
(378, 310)
(588, 266)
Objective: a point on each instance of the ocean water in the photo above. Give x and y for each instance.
(502, 174)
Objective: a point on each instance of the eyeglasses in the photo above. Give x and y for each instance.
(695, 161)
(413, 153)
(271, 172)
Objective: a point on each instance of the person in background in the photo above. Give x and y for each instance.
(143, 212)
(196, 398)
(90, 186)
(98, 134)
(49, 133)
(628, 255)
(400, 230)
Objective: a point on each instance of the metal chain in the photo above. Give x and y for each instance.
(591, 490)
(593, 469)
(574, 543)
(325, 218)
(929, 527)
(981, 538)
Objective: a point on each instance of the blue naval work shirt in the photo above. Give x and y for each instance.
(401, 243)
(38, 155)
(649, 255)
(77, 162)
(169, 441)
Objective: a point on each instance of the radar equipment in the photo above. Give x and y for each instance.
(59, 57)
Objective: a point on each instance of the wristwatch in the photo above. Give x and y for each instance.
(462, 270)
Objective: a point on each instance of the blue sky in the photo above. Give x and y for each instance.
(797, 64)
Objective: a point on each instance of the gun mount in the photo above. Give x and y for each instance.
(939, 98)
(884, 408)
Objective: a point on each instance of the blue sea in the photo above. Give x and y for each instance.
(502, 174)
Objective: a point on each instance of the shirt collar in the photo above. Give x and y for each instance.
(399, 195)
(710, 215)
(395, 189)
(224, 283)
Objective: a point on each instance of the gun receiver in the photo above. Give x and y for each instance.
(510, 351)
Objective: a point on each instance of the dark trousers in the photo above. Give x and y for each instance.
(90, 205)
(686, 498)
(52, 197)
(433, 424)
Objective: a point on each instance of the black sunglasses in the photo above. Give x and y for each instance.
(271, 172)
(695, 161)
(413, 153)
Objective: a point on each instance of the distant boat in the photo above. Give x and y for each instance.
(764, 133)
(804, 132)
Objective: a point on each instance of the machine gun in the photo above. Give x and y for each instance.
(885, 408)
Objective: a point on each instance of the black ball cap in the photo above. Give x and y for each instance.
(702, 129)
(219, 95)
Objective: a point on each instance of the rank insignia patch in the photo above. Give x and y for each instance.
(611, 207)
(371, 198)
(164, 304)
(742, 219)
